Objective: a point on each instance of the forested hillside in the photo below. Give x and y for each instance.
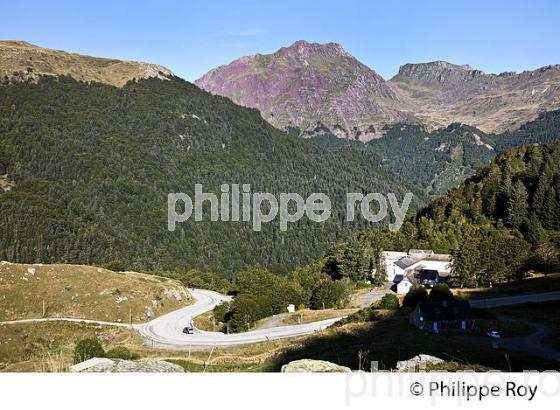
(499, 222)
(546, 128)
(85, 170)
(435, 161)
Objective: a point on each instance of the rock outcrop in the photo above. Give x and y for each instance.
(313, 366)
(104, 365)
(418, 363)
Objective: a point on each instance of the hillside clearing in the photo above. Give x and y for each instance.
(85, 292)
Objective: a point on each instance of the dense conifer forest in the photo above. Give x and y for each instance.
(86, 169)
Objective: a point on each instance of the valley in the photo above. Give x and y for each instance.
(91, 149)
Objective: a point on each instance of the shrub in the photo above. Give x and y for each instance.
(389, 301)
(116, 266)
(415, 295)
(121, 352)
(221, 311)
(327, 294)
(87, 349)
(441, 292)
(361, 316)
(362, 284)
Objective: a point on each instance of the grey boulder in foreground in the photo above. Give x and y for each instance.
(104, 365)
(314, 366)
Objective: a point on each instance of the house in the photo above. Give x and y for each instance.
(442, 315)
(415, 260)
(427, 277)
(403, 287)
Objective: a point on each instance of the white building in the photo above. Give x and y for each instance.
(415, 260)
(403, 287)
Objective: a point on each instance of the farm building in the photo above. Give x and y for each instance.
(403, 287)
(442, 315)
(409, 264)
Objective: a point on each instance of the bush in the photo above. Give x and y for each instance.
(87, 349)
(361, 316)
(115, 266)
(362, 284)
(221, 312)
(121, 352)
(327, 294)
(389, 301)
(441, 292)
(415, 295)
(203, 280)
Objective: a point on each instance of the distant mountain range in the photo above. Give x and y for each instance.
(304, 84)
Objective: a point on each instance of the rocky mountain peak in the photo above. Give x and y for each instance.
(305, 48)
(306, 84)
(435, 71)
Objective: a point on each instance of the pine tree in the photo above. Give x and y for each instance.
(543, 185)
(534, 231)
(549, 209)
(504, 194)
(380, 277)
(517, 205)
(466, 259)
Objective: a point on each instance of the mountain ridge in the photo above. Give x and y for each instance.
(309, 84)
(23, 61)
(295, 82)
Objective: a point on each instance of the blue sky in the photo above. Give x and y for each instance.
(191, 37)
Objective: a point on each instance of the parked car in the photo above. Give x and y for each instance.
(493, 334)
(189, 330)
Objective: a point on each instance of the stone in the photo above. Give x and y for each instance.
(96, 364)
(313, 366)
(418, 363)
(104, 365)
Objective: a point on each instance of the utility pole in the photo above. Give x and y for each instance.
(44, 309)
(130, 313)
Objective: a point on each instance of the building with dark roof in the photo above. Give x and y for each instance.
(415, 260)
(442, 315)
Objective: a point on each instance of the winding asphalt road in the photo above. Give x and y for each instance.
(167, 331)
